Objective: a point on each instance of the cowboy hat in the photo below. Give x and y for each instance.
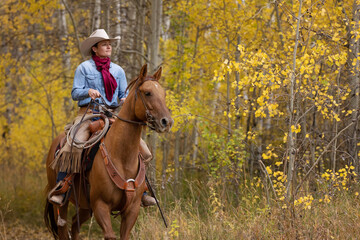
(97, 36)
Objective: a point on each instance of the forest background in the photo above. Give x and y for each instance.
(264, 94)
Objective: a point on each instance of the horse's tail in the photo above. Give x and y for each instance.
(49, 218)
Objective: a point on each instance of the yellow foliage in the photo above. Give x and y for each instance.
(296, 129)
(268, 169)
(304, 202)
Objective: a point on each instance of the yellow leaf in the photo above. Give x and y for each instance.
(296, 129)
(268, 169)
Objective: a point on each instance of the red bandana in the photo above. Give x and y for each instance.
(103, 65)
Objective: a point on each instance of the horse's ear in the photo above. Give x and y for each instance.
(143, 71)
(157, 75)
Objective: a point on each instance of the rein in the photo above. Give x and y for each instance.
(149, 117)
(150, 120)
(106, 107)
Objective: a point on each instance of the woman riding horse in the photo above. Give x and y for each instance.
(117, 176)
(93, 79)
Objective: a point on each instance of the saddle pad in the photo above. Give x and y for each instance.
(89, 155)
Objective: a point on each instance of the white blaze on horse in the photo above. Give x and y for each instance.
(116, 178)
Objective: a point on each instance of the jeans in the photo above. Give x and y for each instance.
(61, 176)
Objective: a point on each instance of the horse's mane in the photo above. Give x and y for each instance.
(134, 83)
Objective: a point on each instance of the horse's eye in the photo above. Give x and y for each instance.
(147, 94)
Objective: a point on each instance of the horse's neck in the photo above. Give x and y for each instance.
(123, 141)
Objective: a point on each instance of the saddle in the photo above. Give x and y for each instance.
(88, 155)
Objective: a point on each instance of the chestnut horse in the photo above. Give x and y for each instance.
(146, 99)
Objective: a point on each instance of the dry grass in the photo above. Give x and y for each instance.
(338, 219)
(252, 219)
(198, 212)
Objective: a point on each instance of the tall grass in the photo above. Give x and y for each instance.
(212, 218)
(199, 210)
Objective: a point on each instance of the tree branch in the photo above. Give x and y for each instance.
(74, 25)
(323, 152)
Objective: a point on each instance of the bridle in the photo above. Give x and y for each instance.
(150, 120)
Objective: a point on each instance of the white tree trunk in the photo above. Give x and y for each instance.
(64, 36)
(115, 55)
(291, 134)
(196, 143)
(155, 25)
(97, 15)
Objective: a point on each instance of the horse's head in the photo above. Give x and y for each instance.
(150, 105)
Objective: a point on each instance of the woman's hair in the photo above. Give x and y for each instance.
(92, 52)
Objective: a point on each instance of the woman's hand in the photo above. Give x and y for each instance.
(121, 102)
(94, 94)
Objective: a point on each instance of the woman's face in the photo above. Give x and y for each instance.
(103, 49)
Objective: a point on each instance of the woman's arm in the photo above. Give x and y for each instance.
(79, 91)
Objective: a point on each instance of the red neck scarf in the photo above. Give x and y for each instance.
(103, 65)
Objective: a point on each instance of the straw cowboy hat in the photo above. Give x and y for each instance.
(97, 36)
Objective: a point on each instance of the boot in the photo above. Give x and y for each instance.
(60, 193)
(57, 199)
(147, 200)
(54, 196)
(145, 152)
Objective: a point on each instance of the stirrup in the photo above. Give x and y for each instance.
(61, 192)
(57, 197)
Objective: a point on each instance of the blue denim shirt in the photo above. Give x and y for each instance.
(87, 76)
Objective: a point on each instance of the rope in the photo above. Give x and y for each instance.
(92, 141)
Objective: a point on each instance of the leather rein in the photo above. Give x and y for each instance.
(149, 118)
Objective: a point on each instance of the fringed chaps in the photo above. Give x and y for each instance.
(69, 158)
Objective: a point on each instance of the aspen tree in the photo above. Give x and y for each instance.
(155, 26)
(291, 133)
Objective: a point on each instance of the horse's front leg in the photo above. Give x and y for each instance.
(128, 219)
(103, 218)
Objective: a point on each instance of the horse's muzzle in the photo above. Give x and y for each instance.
(164, 125)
